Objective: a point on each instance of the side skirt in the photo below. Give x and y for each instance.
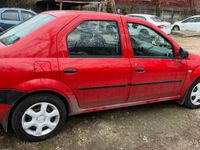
(79, 110)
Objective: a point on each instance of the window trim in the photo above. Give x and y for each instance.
(94, 56)
(11, 19)
(158, 57)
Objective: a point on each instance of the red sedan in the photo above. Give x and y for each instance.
(63, 63)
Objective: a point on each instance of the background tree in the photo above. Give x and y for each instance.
(110, 6)
(17, 3)
(193, 4)
(158, 10)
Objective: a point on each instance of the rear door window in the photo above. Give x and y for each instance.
(95, 39)
(10, 15)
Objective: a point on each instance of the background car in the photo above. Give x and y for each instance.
(163, 25)
(12, 16)
(191, 24)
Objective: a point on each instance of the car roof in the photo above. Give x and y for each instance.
(143, 15)
(59, 13)
(64, 13)
(194, 16)
(13, 8)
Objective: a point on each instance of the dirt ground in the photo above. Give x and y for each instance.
(160, 126)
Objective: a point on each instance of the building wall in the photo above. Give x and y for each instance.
(171, 10)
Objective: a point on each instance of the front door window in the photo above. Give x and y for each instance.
(148, 43)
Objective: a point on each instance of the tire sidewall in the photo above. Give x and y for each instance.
(188, 101)
(29, 101)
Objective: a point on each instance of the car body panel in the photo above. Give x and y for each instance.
(35, 63)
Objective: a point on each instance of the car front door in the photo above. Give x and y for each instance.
(156, 73)
(93, 62)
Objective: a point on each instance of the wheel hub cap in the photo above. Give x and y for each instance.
(40, 119)
(195, 95)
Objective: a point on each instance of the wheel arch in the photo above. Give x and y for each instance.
(7, 121)
(176, 25)
(188, 86)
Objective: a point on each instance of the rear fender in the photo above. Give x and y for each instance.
(41, 85)
(56, 86)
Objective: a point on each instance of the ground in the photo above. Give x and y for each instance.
(159, 126)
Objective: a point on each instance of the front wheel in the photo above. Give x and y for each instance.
(176, 28)
(38, 117)
(193, 95)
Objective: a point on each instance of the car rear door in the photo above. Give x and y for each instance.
(93, 61)
(156, 72)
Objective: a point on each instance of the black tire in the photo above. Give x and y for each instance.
(188, 100)
(20, 109)
(176, 28)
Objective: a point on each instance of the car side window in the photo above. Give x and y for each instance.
(95, 39)
(10, 15)
(148, 43)
(189, 20)
(26, 15)
(197, 19)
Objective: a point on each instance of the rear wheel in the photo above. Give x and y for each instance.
(193, 95)
(39, 117)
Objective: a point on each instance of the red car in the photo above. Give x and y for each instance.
(63, 63)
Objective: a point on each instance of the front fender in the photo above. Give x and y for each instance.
(192, 76)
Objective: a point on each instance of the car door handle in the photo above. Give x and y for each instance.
(139, 69)
(70, 70)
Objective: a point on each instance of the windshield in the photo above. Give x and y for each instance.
(12, 35)
(156, 19)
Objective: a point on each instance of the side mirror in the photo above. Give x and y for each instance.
(183, 53)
